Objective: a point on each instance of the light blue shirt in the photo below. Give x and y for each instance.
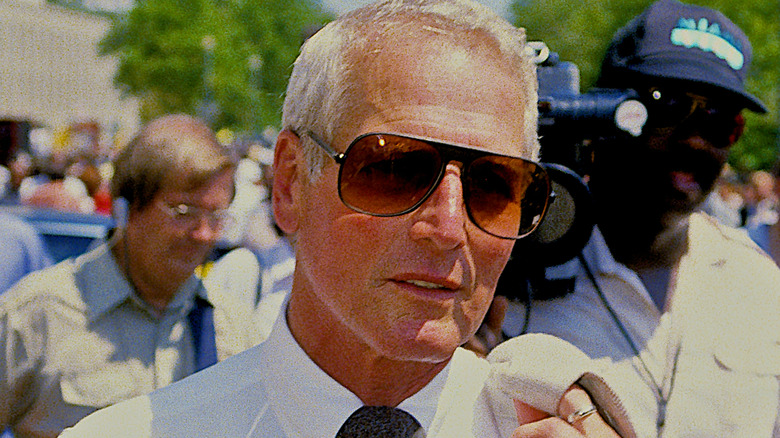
(75, 338)
(22, 248)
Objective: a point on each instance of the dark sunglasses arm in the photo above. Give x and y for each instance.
(337, 156)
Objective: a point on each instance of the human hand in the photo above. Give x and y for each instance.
(576, 418)
(549, 374)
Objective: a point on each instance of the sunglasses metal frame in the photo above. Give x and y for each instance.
(723, 125)
(694, 103)
(189, 215)
(449, 153)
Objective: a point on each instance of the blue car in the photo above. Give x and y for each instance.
(66, 234)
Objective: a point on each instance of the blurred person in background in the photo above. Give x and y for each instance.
(725, 202)
(259, 267)
(53, 185)
(682, 308)
(22, 248)
(764, 228)
(12, 173)
(85, 170)
(131, 315)
(764, 205)
(5, 184)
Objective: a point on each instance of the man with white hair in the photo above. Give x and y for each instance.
(405, 173)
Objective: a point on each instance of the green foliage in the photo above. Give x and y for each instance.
(580, 32)
(227, 60)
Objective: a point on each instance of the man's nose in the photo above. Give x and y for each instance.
(442, 217)
(207, 229)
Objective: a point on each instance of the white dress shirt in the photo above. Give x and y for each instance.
(275, 390)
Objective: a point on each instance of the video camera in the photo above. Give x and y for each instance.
(570, 122)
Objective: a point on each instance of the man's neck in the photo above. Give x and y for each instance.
(656, 281)
(157, 293)
(376, 380)
(649, 244)
(655, 263)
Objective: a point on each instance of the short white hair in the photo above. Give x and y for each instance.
(322, 92)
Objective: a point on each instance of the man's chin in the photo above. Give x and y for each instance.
(684, 202)
(187, 264)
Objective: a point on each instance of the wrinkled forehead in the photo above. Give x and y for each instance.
(388, 51)
(432, 67)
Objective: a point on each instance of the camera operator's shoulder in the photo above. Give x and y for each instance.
(705, 228)
(740, 285)
(737, 260)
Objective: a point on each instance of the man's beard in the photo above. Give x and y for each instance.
(640, 191)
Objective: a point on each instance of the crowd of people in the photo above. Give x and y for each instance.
(324, 280)
(751, 203)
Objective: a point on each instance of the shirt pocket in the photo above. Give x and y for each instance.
(101, 387)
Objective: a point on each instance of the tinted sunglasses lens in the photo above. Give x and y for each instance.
(668, 109)
(719, 126)
(387, 175)
(506, 197)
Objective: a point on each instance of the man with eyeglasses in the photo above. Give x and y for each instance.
(405, 172)
(684, 308)
(131, 315)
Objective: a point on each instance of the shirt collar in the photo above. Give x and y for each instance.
(299, 386)
(104, 285)
(597, 254)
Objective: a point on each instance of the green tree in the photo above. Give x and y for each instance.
(227, 60)
(580, 31)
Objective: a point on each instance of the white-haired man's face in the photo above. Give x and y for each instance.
(416, 286)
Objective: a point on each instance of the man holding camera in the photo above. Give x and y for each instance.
(683, 308)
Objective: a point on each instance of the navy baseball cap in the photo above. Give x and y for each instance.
(672, 40)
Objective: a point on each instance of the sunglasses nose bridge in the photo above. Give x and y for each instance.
(441, 215)
(436, 184)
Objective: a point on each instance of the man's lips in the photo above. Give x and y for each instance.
(428, 280)
(427, 285)
(685, 182)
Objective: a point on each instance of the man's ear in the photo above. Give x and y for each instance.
(289, 164)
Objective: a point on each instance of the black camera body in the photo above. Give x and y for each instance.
(570, 123)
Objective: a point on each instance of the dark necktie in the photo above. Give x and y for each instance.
(380, 422)
(201, 319)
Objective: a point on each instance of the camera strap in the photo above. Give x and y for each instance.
(661, 395)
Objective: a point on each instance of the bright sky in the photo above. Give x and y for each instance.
(341, 6)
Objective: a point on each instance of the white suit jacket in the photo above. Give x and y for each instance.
(714, 351)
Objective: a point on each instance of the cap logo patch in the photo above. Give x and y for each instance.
(709, 38)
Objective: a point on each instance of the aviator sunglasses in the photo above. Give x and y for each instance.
(722, 124)
(391, 175)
